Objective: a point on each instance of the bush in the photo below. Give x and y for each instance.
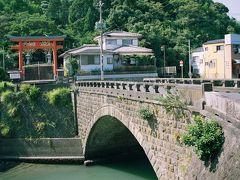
(6, 86)
(22, 116)
(60, 97)
(206, 137)
(7, 97)
(32, 91)
(4, 130)
(74, 64)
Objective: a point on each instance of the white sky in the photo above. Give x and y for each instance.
(233, 6)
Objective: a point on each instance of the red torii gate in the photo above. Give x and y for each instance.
(37, 42)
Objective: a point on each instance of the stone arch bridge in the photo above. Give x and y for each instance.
(109, 126)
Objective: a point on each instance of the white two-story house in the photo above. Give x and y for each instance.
(121, 53)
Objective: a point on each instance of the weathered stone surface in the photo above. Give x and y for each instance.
(169, 158)
(227, 103)
(157, 142)
(41, 147)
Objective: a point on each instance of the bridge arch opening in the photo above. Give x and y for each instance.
(110, 140)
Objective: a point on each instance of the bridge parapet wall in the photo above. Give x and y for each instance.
(223, 85)
(194, 94)
(225, 104)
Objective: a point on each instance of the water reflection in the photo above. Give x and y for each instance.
(131, 170)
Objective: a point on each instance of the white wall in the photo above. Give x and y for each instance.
(232, 39)
(119, 42)
(199, 63)
(135, 42)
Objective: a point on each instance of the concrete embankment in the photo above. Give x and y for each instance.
(42, 150)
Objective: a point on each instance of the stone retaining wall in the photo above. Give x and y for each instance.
(43, 147)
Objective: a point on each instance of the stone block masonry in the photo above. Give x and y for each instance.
(159, 139)
(159, 143)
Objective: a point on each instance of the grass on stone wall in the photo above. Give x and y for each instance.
(27, 112)
(148, 115)
(174, 105)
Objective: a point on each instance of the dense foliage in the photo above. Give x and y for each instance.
(59, 97)
(26, 112)
(3, 75)
(161, 22)
(205, 136)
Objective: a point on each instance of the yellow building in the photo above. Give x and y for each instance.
(222, 58)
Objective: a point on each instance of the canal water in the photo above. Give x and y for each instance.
(131, 170)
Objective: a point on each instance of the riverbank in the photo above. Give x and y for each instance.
(6, 165)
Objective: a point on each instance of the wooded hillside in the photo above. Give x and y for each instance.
(161, 22)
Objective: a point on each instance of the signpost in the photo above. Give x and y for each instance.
(181, 65)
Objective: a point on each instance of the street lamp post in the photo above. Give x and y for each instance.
(100, 26)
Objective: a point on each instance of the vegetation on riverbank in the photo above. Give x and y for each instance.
(28, 112)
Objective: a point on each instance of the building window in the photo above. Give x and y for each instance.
(212, 64)
(206, 48)
(220, 48)
(236, 49)
(111, 42)
(90, 60)
(127, 42)
(195, 59)
(109, 60)
(206, 63)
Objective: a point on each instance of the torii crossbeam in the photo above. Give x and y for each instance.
(37, 42)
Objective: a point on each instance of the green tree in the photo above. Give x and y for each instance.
(161, 22)
(79, 16)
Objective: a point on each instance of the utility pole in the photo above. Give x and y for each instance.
(100, 26)
(189, 59)
(163, 48)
